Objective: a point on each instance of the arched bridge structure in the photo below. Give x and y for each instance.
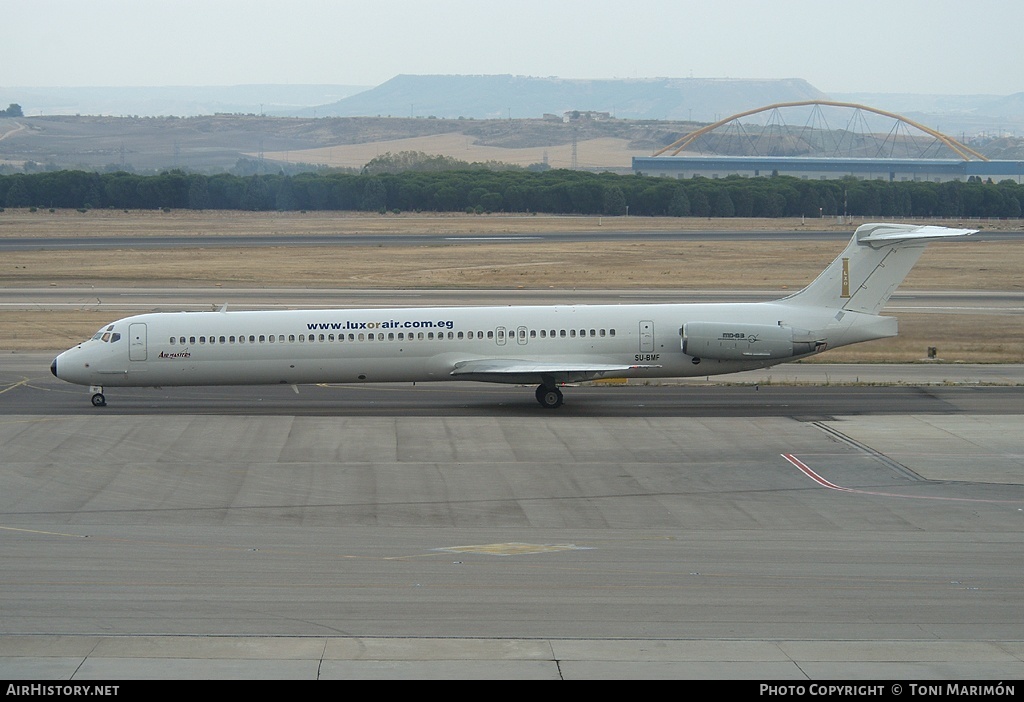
(732, 137)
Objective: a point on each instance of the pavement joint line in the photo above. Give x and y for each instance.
(889, 463)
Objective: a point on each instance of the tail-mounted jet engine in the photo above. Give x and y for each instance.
(744, 342)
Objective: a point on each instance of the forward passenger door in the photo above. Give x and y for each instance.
(137, 342)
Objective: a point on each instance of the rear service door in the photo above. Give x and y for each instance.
(646, 336)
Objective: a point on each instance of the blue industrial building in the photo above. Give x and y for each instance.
(888, 169)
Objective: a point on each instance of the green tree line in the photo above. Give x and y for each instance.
(552, 191)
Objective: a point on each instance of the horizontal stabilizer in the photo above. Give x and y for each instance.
(892, 233)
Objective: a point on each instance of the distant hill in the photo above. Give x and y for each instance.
(269, 127)
(217, 143)
(179, 101)
(512, 97)
(507, 96)
(955, 115)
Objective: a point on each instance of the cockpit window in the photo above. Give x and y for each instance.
(107, 335)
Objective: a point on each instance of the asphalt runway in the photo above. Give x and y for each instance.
(695, 530)
(214, 240)
(138, 300)
(598, 234)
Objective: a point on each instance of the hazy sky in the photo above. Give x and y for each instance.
(919, 46)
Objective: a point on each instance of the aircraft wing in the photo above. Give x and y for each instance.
(506, 369)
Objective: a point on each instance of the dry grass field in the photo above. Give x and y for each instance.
(607, 152)
(705, 265)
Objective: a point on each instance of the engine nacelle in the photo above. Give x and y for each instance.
(746, 342)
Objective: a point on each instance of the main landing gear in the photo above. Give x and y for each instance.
(98, 400)
(549, 396)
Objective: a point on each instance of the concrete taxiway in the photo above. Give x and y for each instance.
(764, 530)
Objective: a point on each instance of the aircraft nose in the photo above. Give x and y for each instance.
(53, 367)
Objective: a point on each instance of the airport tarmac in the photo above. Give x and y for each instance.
(864, 525)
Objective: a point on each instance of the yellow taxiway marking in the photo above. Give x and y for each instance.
(23, 381)
(38, 531)
(511, 549)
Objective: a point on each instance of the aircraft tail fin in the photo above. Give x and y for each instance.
(874, 263)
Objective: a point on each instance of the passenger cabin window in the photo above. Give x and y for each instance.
(108, 336)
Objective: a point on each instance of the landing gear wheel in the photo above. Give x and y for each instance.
(549, 397)
(98, 400)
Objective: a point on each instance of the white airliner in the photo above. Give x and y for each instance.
(543, 345)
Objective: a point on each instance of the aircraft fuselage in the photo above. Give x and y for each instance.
(399, 345)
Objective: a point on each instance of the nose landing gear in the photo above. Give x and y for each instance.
(98, 400)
